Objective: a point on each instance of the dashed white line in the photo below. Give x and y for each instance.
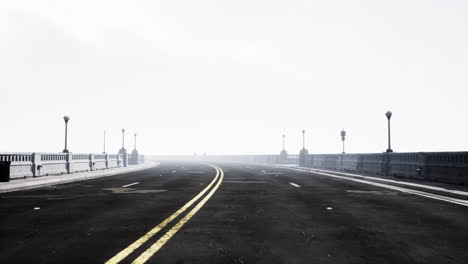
(128, 185)
(295, 185)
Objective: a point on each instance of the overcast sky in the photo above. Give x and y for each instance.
(232, 76)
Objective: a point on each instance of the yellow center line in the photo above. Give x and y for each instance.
(164, 239)
(135, 245)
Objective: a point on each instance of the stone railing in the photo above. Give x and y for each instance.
(22, 165)
(450, 167)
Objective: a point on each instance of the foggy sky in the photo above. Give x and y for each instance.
(230, 77)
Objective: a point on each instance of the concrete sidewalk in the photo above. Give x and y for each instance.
(37, 182)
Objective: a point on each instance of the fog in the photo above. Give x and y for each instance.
(230, 77)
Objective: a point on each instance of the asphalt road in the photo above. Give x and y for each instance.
(240, 214)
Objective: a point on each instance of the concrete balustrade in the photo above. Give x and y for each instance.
(22, 165)
(449, 167)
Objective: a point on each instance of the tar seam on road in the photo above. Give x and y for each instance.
(405, 190)
(135, 245)
(131, 184)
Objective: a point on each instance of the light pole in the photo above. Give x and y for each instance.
(303, 138)
(104, 152)
(135, 140)
(284, 148)
(303, 152)
(343, 135)
(388, 114)
(123, 138)
(284, 153)
(66, 119)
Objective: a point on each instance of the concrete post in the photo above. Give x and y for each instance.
(91, 162)
(107, 161)
(302, 157)
(359, 163)
(69, 161)
(386, 164)
(125, 159)
(422, 168)
(36, 164)
(340, 162)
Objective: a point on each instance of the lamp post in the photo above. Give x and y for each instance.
(388, 114)
(303, 152)
(284, 136)
(104, 152)
(303, 138)
(66, 119)
(123, 138)
(343, 136)
(135, 140)
(284, 153)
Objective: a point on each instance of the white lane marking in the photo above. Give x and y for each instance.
(131, 184)
(173, 171)
(295, 185)
(397, 182)
(401, 189)
(263, 171)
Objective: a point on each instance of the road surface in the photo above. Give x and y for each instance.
(230, 213)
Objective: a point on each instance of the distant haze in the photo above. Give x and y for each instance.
(230, 77)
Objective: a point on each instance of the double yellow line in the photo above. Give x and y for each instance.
(168, 235)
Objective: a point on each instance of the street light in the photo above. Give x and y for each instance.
(123, 138)
(284, 136)
(388, 114)
(135, 140)
(303, 138)
(343, 135)
(104, 152)
(66, 119)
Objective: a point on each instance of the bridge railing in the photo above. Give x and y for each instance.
(22, 165)
(451, 167)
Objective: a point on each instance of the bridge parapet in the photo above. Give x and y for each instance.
(450, 167)
(22, 165)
